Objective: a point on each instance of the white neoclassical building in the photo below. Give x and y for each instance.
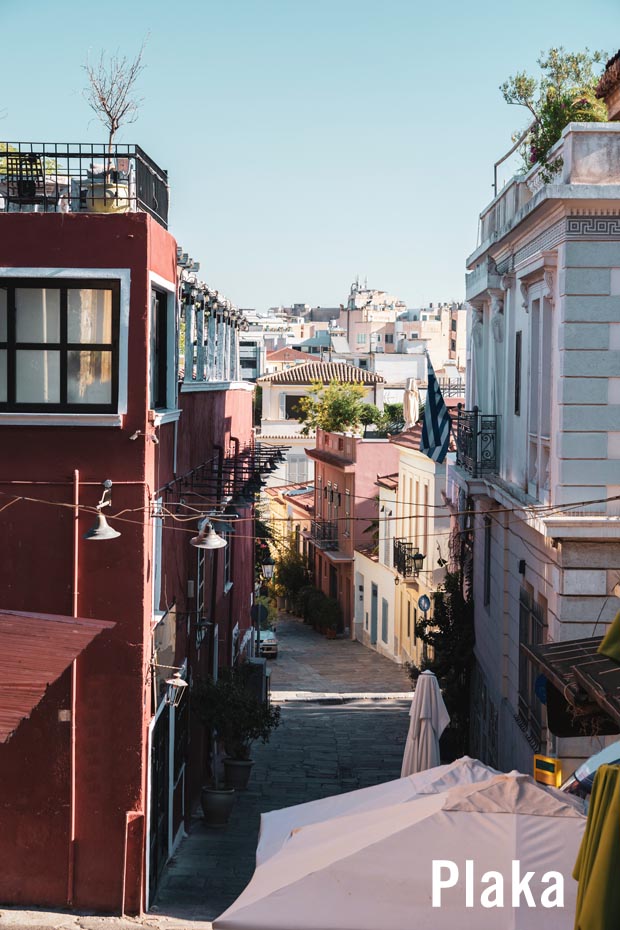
(537, 480)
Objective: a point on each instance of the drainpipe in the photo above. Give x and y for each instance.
(72, 780)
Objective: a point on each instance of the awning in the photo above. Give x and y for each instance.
(35, 649)
(588, 681)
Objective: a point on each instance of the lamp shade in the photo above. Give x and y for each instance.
(101, 530)
(208, 539)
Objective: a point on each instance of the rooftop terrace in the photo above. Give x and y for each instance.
(52, 177)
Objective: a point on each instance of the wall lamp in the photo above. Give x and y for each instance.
(175, 686)
(175, 689)
(268, 567)
(418, 562)
(101, 529)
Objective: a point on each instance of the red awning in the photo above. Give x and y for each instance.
(35, 649)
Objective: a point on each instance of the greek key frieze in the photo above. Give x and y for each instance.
(597, 227)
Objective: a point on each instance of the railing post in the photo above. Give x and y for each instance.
(476, 438)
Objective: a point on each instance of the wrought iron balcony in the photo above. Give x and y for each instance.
(44, 177)
(325, 535)
(408, 559)
(477, 442)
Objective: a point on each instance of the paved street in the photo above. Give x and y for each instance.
(308, 662)
(319, 749)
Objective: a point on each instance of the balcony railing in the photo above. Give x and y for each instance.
(452, 387)
(403, 558)
(325, 535)
(477, 442)
(43, 177)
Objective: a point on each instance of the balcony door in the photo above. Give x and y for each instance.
(539, 405)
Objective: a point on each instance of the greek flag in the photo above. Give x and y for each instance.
(437, 424)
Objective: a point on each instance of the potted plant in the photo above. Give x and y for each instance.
(237, 717)
(216, 799)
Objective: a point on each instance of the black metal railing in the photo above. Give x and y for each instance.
(403, 558)
(477, 442)
(324, 534)
(452, 387)
(81, 178)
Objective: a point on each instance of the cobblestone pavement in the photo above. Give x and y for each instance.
(308, 661)
(319, 749)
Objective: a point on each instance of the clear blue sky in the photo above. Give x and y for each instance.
(307, 141)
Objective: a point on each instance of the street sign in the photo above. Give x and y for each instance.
(424, 603)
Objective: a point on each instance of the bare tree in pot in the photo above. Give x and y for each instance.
(111, 94)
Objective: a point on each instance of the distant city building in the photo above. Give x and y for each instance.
(281, 393)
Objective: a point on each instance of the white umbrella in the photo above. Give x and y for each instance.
(277, 826)
(429, 718)
(375, 870)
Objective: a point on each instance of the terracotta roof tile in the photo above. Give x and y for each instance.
(610, 78)
(287, 355)
(325, 372)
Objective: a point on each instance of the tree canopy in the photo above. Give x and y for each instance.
(336, 408)
(563, 93)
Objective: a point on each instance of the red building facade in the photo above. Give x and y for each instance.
(345, 475)
(100, 777)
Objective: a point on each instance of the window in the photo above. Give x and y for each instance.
(387, 538)
(532, 630)
(59, 345)
(159, 350)
(347, 512)
(296, 468)
(361, 338)
(157, 557)
(487, 561)
(389, 338)
(318, 497)
(540, 393)
(518, 342)
(288, 406)
(408, 619)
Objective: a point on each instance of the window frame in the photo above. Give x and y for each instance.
(517, 382)
(62, 346)
(533, 625)
(159, 349)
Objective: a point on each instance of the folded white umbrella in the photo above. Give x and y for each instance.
(374, 870)
(277, 826)
(429, 718)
